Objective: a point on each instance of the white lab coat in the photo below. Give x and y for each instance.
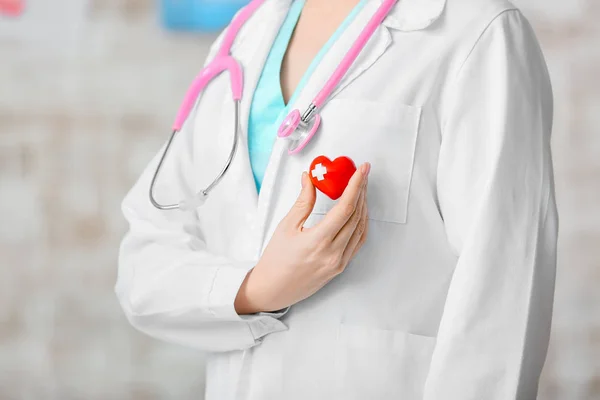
(451, 296)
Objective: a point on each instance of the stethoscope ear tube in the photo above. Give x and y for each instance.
(199, 198)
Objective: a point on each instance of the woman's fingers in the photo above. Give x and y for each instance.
(358, 237)
(342, 238)
(303, 205)
(339, 215)
(363, 237)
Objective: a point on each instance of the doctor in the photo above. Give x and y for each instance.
(432, 277)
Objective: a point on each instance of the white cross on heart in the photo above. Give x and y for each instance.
(319, 171)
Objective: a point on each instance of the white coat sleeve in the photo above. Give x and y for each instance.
(169, 286)
(496, 197)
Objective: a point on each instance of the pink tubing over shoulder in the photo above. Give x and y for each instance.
(237, 24)
(218, 65)
(222, 61)
(354, 51)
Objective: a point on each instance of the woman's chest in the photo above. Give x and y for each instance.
(381, 113)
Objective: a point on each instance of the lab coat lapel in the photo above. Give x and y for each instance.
(375, 47)
(257, 37)
(251, 49)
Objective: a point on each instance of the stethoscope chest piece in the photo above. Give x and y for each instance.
(298, 129)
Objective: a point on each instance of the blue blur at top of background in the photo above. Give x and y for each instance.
(198, 15)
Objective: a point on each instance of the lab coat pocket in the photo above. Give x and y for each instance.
(374, 363)
(382, 133)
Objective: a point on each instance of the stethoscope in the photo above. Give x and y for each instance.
(297, 128)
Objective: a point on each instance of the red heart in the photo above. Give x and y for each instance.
(331, 177)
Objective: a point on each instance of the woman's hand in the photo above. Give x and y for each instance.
(299, 261)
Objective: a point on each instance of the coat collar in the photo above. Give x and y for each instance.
(407, 15)
(412, 15)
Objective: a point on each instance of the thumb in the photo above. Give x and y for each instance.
(304, 203)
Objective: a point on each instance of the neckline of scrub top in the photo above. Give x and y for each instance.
(260, 143)
(267, 101)
(316, 60)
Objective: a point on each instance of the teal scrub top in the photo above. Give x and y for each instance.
(268, 108)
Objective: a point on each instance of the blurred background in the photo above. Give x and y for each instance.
(88, 90)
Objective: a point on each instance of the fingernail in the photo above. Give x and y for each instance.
(303, 179)
(368, 169)
(364, 169)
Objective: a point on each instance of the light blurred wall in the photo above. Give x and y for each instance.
(86, 98)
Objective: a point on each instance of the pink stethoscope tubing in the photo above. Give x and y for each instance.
(299, 127)
(295, 127)
(223, 61)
